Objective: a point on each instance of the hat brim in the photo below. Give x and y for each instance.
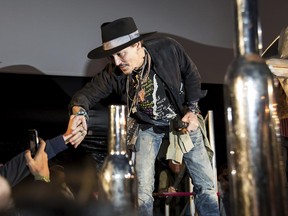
(99, 52)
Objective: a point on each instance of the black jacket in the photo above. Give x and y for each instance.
(169, 61)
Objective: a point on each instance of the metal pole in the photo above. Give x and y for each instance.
(212, 143)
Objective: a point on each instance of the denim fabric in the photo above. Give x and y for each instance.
(200, 170)
(197, 163)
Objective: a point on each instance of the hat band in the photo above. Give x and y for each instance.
(120, 40)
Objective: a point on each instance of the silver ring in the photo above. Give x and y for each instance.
(82, 133)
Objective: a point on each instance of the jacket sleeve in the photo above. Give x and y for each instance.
(100, 87)
(55, 146)
(15, 170)
(190, 76)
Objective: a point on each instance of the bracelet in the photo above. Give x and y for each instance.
(193, 107)
(82, 112)
(42, 178)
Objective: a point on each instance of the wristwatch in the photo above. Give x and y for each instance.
(83, 112)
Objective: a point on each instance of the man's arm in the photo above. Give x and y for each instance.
(38, 165)
(15, 170)
(75, 133)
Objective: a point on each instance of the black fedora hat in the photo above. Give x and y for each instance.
(117, 35)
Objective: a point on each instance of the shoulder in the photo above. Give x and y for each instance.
(110, 71)
(161, 41)
(163, 46)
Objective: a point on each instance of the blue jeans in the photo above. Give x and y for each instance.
(197, 163)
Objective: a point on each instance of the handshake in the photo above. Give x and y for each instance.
(76, 130)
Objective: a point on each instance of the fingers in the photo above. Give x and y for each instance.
(76, 131)
(42, 145)
(192, 119)
(76, 139)
(75, 122)
(171, 189)
(41, 148)
(84, 123)
(39, 164)
(78, 135)
(192, 126)
(40, 151)
(80, 129)
(28, 156)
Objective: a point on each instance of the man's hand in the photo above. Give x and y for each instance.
(76, 109)
(171, 189)
(192, 120)
(76, 130)
(38, 165)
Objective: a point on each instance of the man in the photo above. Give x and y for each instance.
(159, 83)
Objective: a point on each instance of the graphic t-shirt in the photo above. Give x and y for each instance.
(153, 101)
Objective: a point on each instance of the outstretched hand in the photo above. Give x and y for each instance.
(76, 130)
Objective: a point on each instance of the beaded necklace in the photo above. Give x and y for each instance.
(141, 76)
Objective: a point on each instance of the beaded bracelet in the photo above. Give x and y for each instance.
(193, 107)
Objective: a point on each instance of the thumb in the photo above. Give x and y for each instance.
(28, 156)
(41, 147)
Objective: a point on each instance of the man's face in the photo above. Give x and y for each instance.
(129, 58)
